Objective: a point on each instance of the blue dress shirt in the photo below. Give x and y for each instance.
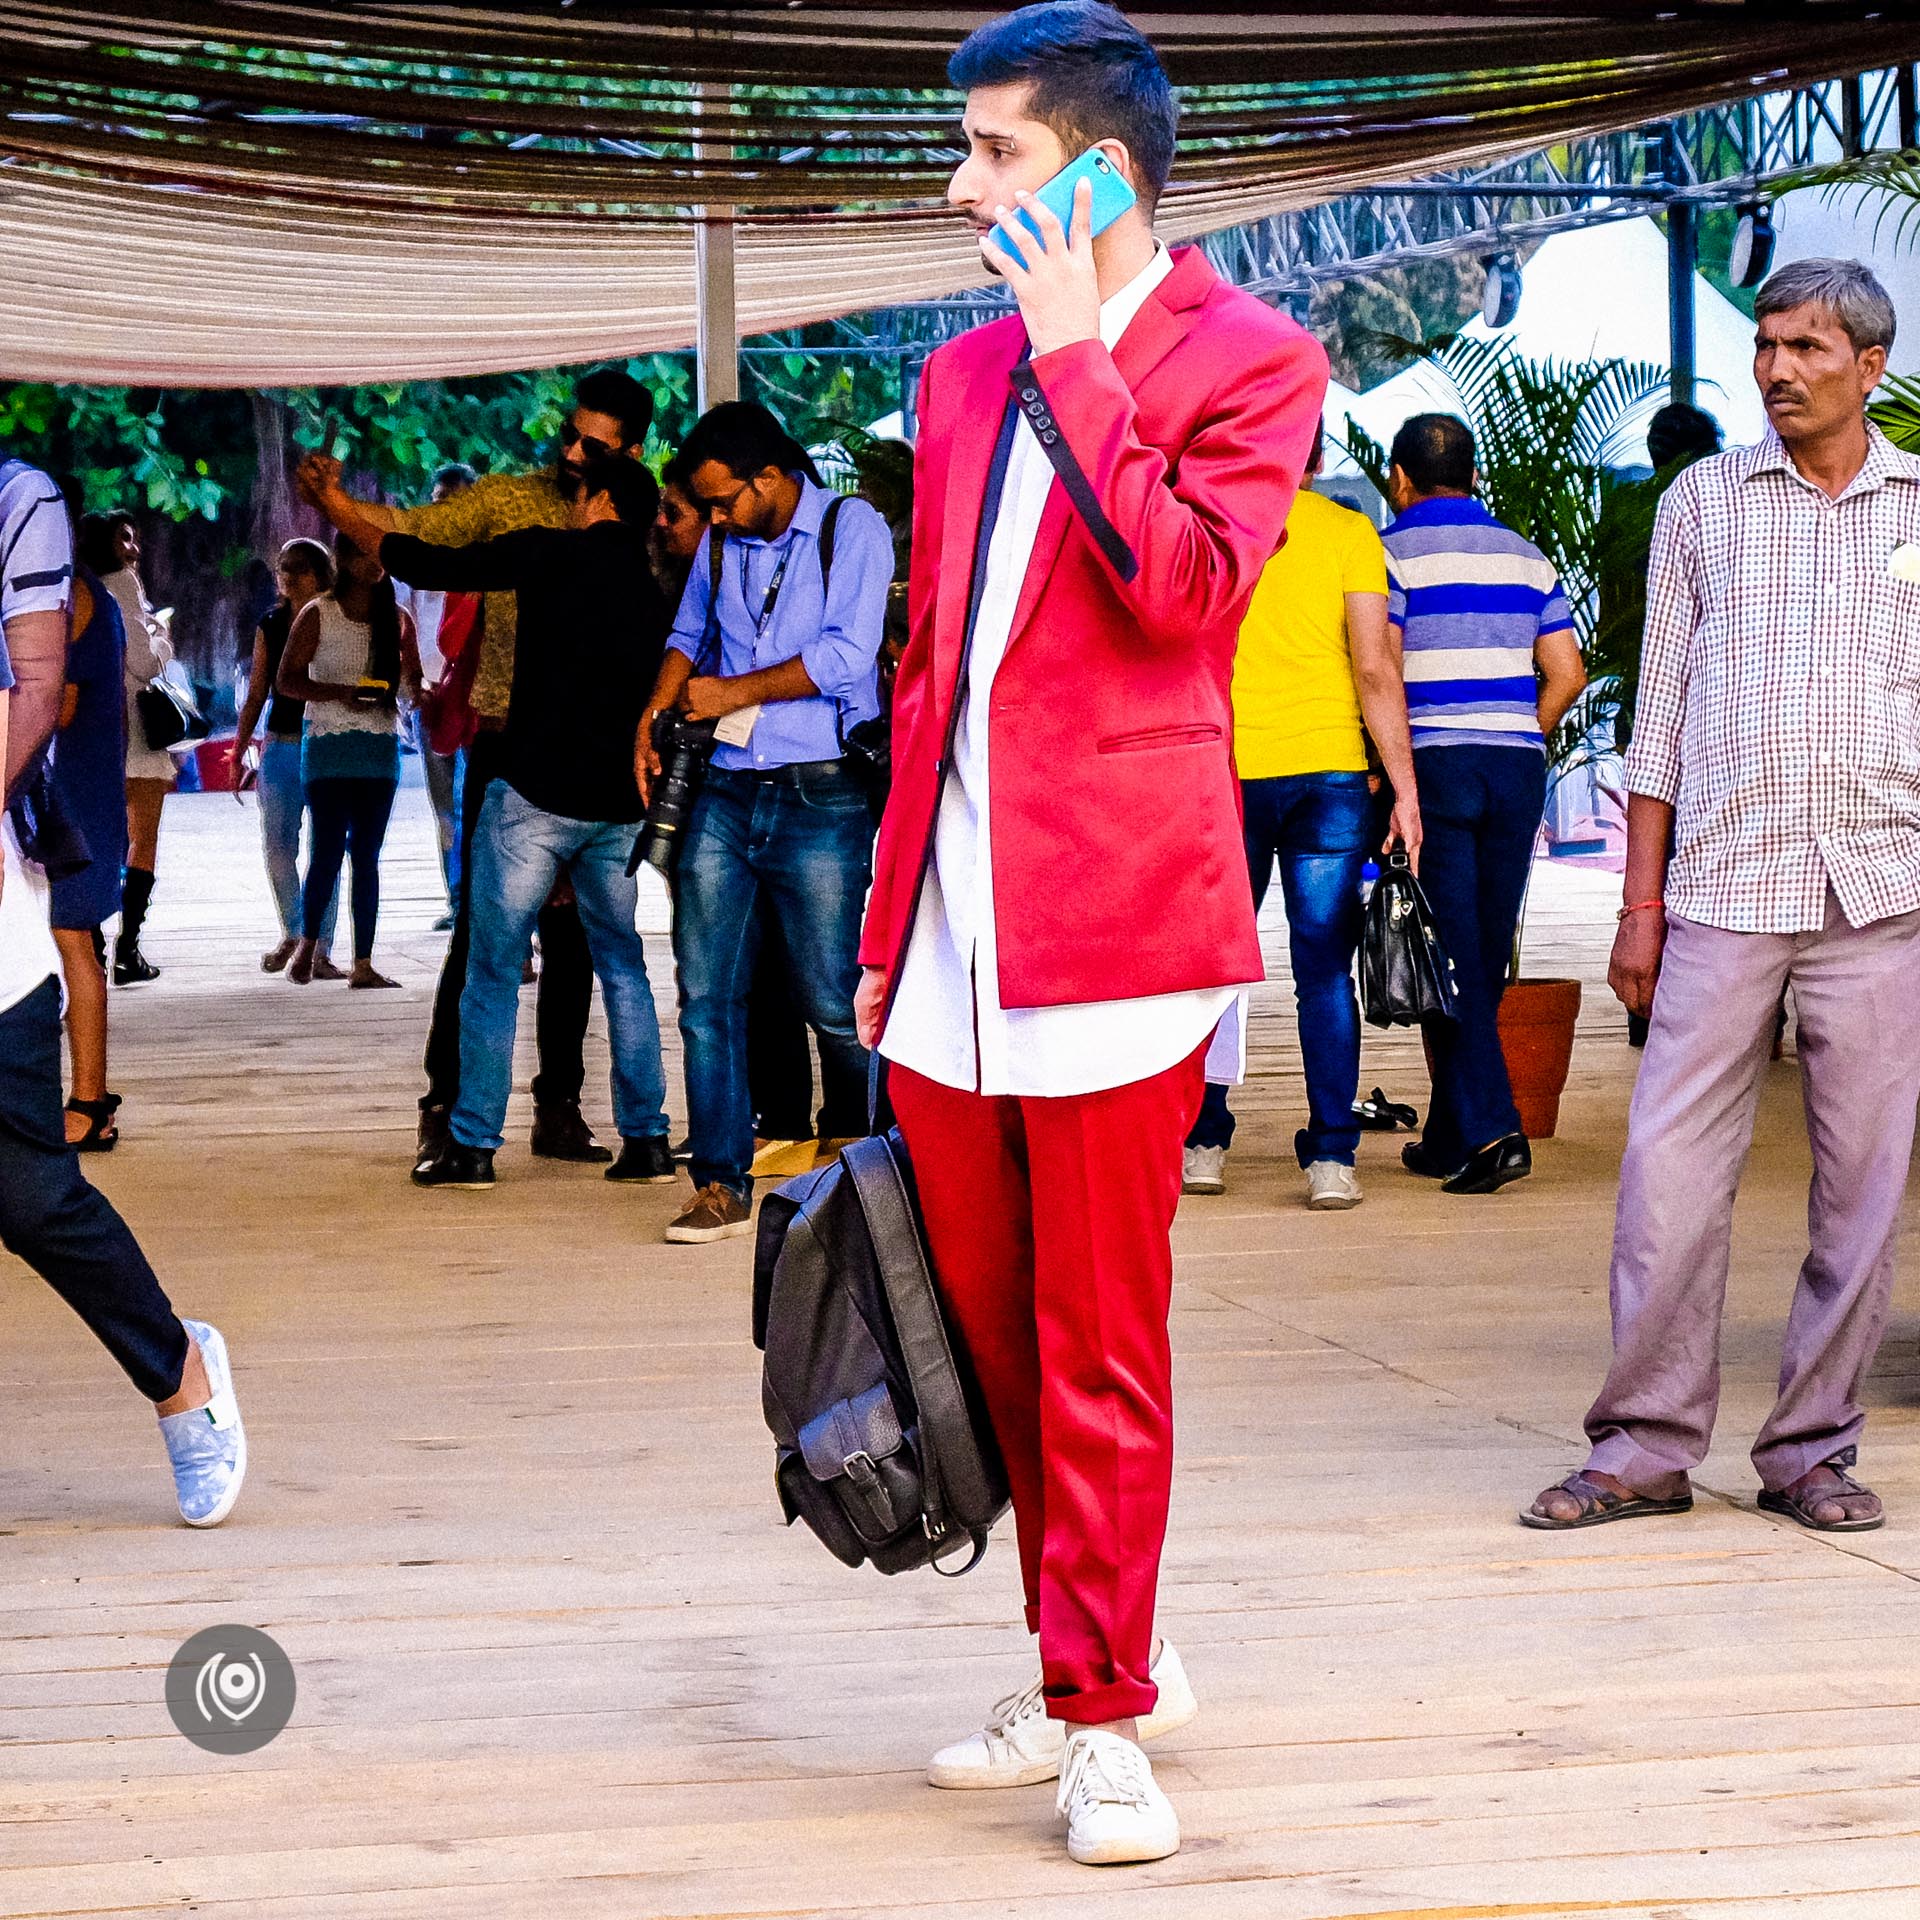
(836, 633)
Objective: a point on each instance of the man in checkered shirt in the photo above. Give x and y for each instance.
(1773, 841)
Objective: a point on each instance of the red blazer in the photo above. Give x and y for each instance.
(1118, 867)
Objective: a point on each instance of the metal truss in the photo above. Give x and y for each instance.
(1720, 156)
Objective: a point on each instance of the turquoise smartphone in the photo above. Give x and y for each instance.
(1111, 198)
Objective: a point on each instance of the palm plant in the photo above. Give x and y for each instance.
(1545, 433)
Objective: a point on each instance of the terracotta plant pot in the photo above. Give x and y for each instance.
(1536, 1035)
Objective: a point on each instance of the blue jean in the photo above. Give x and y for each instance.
(1320, 827)
(1480, 808)
(519, 851)
(283, 805)
(806, 851)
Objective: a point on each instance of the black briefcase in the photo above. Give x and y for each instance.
(1405, 973)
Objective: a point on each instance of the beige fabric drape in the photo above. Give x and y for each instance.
(146, 243)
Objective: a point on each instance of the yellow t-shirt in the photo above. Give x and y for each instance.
(1294, 705)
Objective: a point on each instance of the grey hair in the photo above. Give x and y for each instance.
(1843, 289)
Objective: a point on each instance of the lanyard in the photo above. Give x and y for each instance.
(773, 592)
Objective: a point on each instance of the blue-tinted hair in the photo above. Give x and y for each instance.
(1094, 76)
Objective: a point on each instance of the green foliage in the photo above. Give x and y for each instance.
(1895, 410)
(176, 454)
(1546, 432)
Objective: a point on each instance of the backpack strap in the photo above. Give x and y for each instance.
(828, 520)
(902, 1261)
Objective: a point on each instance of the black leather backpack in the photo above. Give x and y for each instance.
(880, 1443)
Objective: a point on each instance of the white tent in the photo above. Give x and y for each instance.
(1596, 293)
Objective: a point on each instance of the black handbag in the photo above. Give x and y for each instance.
(1406, 975)
(167, 716)
(881, 1444)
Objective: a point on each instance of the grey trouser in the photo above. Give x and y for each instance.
(1687, 1138)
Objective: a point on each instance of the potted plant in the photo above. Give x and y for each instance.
(1544, 432)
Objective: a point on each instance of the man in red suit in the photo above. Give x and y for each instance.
(1060, 910)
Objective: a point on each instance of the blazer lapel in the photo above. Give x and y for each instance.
(1159, 327)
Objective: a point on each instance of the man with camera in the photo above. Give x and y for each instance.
(1061, 911)
(592, 626)
(770, 673)
(610, 416)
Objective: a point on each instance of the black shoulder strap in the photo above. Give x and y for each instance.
(710, 639)
(827, 524)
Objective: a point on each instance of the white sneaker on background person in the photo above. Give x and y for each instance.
(1113, 1806)
(207, 1446)
(1203, 1170)
(1332, 1185)
(1021, 1745)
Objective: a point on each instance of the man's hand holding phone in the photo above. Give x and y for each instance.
(1053, 278)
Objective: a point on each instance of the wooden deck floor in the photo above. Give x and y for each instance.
(510, 1515)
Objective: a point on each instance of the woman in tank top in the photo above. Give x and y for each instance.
(351, 658)
(306, 570)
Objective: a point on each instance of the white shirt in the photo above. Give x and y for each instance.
(947, 1021)
(36, 546)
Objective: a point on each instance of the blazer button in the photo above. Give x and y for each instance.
(1029, 393)
(1048, 438)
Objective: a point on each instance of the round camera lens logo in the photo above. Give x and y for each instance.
(230, 1689)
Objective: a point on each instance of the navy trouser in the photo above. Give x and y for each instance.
(1480, 808)
(349, 819)
(1320, 828)
(64, 1229)
(802, 847)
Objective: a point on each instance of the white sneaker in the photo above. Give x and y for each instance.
(1020, 1746)
(1332, 1186)
(1114, 1809)
(1203, 1170)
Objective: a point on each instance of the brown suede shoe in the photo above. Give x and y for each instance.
(713, 1213)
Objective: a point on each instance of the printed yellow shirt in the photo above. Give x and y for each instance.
(1294, 705)
(495, 503)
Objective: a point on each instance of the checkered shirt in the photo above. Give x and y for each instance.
(1779, 709)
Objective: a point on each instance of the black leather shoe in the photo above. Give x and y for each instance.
(131, 967)
(1417, 1157)
(456, 1166)
(1493, 1167)
(561, 1133)
(649, 1163)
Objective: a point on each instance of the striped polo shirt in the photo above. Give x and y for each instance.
(1469, 598)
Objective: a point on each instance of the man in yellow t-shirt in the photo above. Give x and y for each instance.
(1318, 671)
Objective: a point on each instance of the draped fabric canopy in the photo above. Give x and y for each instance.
(260, 192)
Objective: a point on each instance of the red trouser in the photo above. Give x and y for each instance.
(1048, 1221)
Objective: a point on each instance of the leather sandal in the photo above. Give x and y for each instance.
(101, 1136)
(1801, 1505)
(1600, 1504)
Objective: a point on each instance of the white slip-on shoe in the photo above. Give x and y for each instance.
(1020, 1746)
(1332, 1186)
(1114, 1809)
(207, 1447)
(1203, 1169)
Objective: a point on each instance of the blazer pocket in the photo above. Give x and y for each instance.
(1192, 734)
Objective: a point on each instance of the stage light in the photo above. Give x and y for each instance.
(1753, 239)
(1502, 298)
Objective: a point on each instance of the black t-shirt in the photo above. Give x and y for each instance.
(590, 630)
(285, 718)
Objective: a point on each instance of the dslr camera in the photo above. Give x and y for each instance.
(684, 746)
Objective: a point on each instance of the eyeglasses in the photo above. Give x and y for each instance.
(571, 436)
(710, 504)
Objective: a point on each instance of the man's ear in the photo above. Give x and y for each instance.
(1873, 367)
